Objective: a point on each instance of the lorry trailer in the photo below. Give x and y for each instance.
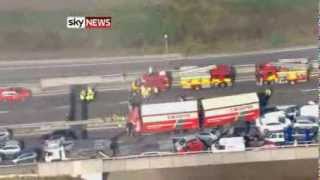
(194, 114)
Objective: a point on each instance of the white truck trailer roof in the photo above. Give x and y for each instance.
(169, 108)
(229, 101)
(189, 71)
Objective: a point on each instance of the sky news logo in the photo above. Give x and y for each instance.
(89, 22)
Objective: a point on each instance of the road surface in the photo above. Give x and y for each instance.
(27, 73)
(55, 108)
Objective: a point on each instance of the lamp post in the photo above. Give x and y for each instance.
(165, 36)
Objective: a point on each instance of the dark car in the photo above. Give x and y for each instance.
(64, 134)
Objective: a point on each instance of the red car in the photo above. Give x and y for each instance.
(14, 94)
(188, 144)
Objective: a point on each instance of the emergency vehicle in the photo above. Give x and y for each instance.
(290, 71)
(152, 82)
(153, 118)
(194, 77)
(220, 111)
(14, 94)
(194, 114)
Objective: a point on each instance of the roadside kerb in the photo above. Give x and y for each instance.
(47, 127)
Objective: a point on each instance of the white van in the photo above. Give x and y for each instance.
(231, 144)
(310, 110)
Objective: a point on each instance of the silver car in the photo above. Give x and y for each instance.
(25, 157)
(10, 147)
(4, 135)
(208, 137)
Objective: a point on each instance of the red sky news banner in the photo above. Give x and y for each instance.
(89, 22)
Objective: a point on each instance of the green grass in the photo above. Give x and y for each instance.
(138, 26)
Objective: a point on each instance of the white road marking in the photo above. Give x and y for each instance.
(62, 107)
(113, 89)
(4, 112)
(50, 94)
(123, 102)
(309, 90)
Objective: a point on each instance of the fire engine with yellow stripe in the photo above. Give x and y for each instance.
(188, 77)
(284, 71)
(194, 77)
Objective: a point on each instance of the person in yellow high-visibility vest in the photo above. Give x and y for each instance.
(268, 92)
(90, 94)
(83, 95)
(134, 87)
(144, 92)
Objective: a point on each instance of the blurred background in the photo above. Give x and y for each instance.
(37, 28)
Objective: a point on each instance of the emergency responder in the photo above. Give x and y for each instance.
(264, 97)
(135, 86)
(268, 92)
(83, 95)
(90, 94)
(129, 126)
(84, 104)
(144, 92)
(114, 146)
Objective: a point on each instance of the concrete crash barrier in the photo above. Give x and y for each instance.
(47, 127)
(27, 169)
(72, 168)
(86, 167)
(143, 163)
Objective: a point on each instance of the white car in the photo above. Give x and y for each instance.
(67, 144)
(4, 135)
(208, 137)
(26, 157)
(310, 110)
(231, 144)
(10, 147)
(273, 121)
(305, 122)
(275, 137)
